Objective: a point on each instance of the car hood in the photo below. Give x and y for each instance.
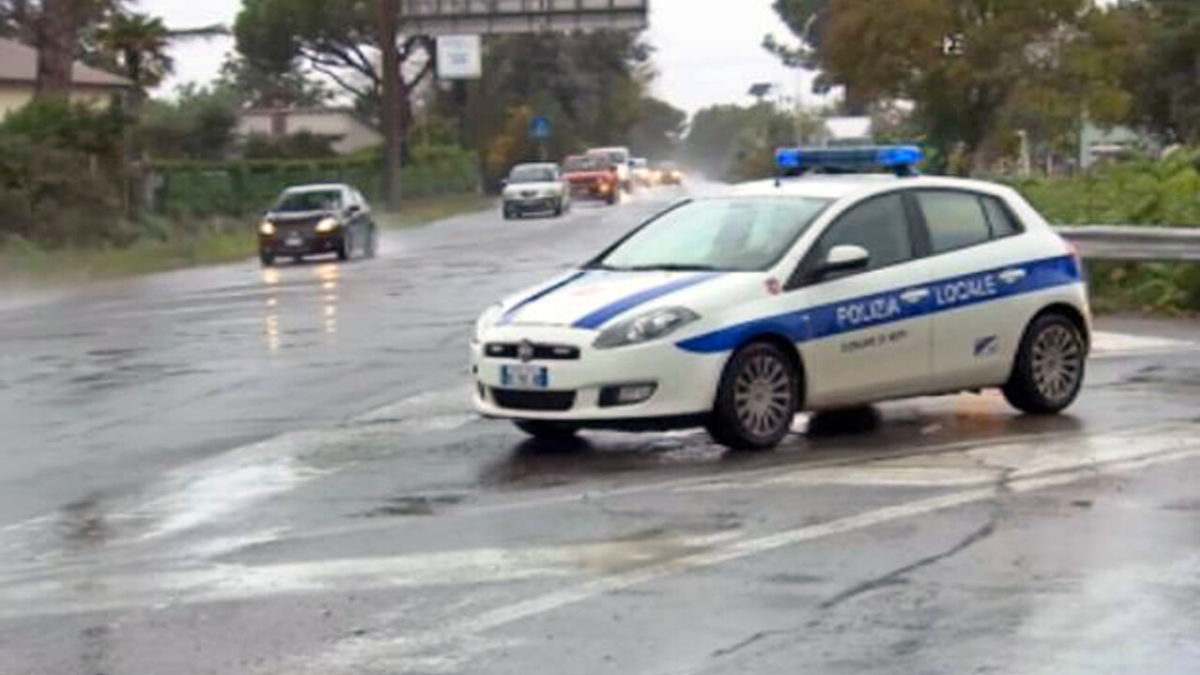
(297, 216)
(518, 188)
(591, 299)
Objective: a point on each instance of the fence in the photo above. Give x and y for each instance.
(1135, 243)
(237, 188)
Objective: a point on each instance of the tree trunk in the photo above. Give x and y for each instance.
(57, 33)
(389, 108)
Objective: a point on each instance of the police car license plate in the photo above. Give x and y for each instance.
(524, 376)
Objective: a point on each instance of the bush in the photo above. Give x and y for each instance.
(60, 177)
(1163, 193)
(243, 187)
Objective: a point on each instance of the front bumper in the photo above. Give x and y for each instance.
(593, 191)
(533, 205)
(685, 383)
(309, 244)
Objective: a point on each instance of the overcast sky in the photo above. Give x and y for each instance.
(708, 50)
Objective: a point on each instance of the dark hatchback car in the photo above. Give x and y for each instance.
(317, 219)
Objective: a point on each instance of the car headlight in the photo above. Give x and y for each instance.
(266, 228)
(328, 225)
(490, 317)
(550, 192)
(649, 326)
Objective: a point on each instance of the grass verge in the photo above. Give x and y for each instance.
(24, 261)
(187, 242)
(424, 210)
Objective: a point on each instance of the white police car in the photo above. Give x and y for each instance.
(809, 292)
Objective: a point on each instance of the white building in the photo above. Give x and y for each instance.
(351, 132)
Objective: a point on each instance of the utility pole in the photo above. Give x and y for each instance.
(389, 21)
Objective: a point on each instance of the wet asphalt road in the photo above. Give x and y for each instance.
(232, 470)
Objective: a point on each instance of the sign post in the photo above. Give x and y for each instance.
(540, 132)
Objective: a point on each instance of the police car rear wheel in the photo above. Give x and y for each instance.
(757, 399)
(1049, 369)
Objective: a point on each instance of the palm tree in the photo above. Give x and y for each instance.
(138, 44)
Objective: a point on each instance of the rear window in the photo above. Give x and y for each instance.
(955, 220)
(1002, 221)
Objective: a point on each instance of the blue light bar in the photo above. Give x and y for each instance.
(901, 159)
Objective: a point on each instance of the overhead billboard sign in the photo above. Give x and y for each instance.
(493, 17)
(459, 57)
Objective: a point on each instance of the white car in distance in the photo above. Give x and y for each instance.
(535, 188)
(808, 292)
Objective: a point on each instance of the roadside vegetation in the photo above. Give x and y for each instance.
(1144, 192)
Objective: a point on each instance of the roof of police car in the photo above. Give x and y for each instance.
(837, 186)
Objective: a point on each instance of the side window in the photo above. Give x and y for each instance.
(1001, 220)
(955, 219)
(879, 225)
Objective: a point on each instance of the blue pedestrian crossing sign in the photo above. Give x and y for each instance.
(540, 129)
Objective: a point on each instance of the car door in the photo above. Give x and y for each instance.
(867, 333)
(976, 263)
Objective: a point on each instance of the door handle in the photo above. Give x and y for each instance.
(915, 295)
(1012, 276)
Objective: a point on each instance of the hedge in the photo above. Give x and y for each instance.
(250, 186)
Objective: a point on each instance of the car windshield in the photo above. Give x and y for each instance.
(310, 200)
(589, 163)
(531, 174)
(734, 234)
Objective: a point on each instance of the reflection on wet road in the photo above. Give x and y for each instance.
(245, 470)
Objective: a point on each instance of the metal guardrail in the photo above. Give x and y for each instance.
(1135, 243)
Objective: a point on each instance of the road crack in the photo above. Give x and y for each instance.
(897, 576)
(742, 644)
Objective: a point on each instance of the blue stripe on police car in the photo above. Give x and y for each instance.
(907, 303)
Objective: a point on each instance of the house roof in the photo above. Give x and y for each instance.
(18, 63)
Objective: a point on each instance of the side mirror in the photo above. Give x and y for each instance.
(845, 258)
(353, 208)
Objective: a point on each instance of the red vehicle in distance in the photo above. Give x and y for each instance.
(591, 177)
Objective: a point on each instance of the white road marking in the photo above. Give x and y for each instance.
(378, 651)
(1106, 344)
(85, 591)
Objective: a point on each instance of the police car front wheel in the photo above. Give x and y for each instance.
(1049, 368)
(757, 399)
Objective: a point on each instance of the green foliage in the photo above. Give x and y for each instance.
(1136, 193)
(659, 127)
(590, 85)
(60, 178)
(246, 187)
(1163, 82)
(977, 70)
(729, 142)
(1163, 193)
(138, 44)
(199, 124)
(258, 87)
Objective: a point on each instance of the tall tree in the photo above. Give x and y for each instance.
(961, 62)
(337, 38)
(807, 20)
(590, 85)
(658, 128)
(261, 88)
(1166, 82)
